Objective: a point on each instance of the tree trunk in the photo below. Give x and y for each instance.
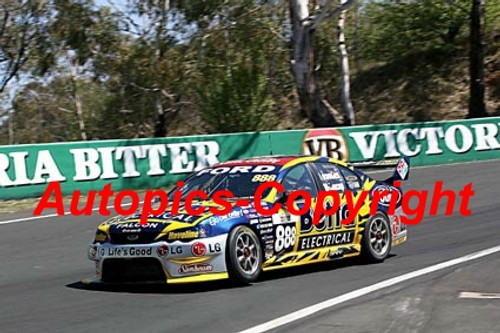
(160, 128)
(11, 128)
(312, 104)
(345, 86)
(160, 125)
(477, 106)
(77, 98)
(357, 23)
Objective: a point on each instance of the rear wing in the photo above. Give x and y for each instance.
(401, 172)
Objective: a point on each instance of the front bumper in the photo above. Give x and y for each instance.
(198, 260)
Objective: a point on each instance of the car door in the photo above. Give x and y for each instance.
(330, 177)
(328, 231)
(288, 225)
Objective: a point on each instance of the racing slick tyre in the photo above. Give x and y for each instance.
(243, 255)
(377, 239)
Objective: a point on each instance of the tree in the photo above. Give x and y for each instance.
(403, 27)
(237, 101)
(394, 29)
(477, 107)
(314, 106)
(22, 34)
(45, 112)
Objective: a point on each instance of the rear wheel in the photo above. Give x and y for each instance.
(377, 238)
(243, 255)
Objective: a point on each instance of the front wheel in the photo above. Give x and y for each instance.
(377, 238)
(244, 255)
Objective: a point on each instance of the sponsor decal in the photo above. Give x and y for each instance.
(127, 251)
(132, 237)
(266, 231)
(93, 251)
(385, 200)
(175, 249)
(172, 235)
(214, 220)
(214, 248)
(195, 268)
(233, 214)
(330, 175)
(396, 223)
(281, 217)
(264, 225)
(285, 237)
(335, 254)
(198, 249)
(135, 225)
(261, 178)
(203, 233)
(354, 185)
(326, 222)
(238, 169)
(402, 169)
(162, 250)
(263, 160)
(267, 237)
(128, 231)
(325, 240)
(328, 142)
(268, 253)
(353, 182)
(334, 187)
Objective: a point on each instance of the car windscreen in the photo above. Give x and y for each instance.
(242, 181)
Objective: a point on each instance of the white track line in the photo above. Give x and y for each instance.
(471, 294)
(272, 324)
(29, 218)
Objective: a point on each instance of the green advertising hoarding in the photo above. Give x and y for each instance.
(25, 170)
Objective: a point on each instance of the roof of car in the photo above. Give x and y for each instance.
(272, 159)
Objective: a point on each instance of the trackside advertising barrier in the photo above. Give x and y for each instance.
(25, 170)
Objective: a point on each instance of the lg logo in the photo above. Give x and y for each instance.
(198, 249)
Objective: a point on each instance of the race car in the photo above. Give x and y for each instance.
(180, 248)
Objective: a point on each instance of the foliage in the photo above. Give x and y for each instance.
(167, 67)
(237, 101)
(392, 29)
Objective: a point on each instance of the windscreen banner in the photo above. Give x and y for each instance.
(25, 170)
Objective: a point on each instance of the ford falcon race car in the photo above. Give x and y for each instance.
(181, 248)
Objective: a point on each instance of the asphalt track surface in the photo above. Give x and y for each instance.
(42, 262)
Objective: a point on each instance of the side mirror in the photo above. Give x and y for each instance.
(282, 197)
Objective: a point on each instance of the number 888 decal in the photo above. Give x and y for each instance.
(285, 237)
